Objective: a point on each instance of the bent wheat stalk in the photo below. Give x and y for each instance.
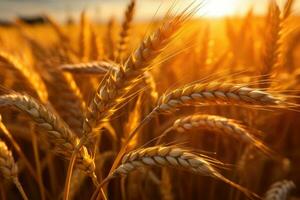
(60, 136)
(177, 158)
(9, 169)
(221, 125)
(113, 90)
(29, 73)
(280, 190)
(95, 67)
(216, 93)
(124, 35)
(207, 94)
(18, 149)
(116, 85)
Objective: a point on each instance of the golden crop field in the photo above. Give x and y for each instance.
(175, 109)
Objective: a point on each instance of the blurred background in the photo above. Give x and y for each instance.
(101, 10)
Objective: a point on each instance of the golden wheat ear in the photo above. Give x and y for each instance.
(280, 190)
(221, 125)
(115, 86)
(57, 131)
(94, 67)
(170, 156)
(9, 169)
(125, 32)
(31, 76)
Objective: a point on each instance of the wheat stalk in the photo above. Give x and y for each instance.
(9, 169)
(60, 136)
(206, 94)
(215, 93)
(221, 125)
(110, 43)
(17, 148)
(115, 86)
(78, 179)
(124, 35)
(149, 82)
(94, 67)
(65, 41)
(169, 156)
(274, 39)
(95, 52)
(166, 185)
(84, 37)
(288, 59)
(29, 73)
(279, 190)
(103, 67)
(70, 104)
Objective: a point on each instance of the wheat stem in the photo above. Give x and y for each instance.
(20, 188)
(18, 149)
(37, 161)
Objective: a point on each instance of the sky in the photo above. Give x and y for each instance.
(103, 9)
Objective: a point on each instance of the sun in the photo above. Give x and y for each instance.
(219, 8)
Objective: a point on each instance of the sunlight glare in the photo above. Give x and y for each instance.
(219, 8)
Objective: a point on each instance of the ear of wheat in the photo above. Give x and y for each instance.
(70, 105)
(276, 30)
(29, 73)
(63, 37)
(216, 93)
(17, 148)
(124, 35)
(239, 74)
(115, 86)
(9, 169)
(220, 125)
(84, 37)
(96, 67)
(280, 190)
(168, 156)
(59, 134)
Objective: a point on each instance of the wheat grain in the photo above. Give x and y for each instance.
(124, 35)
(9, 169)
(221, 125)
(280, 190)
(215, 93)
(60, 136)
(110, 38)
(115, 86)
(149, 81)
(71, 103)
(95, 67)
(17, 148)
(171, 157)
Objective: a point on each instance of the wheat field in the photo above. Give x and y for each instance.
(176, 108)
